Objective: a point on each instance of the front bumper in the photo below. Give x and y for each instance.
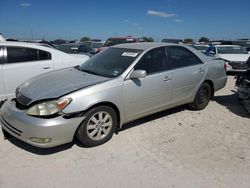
(24, 127)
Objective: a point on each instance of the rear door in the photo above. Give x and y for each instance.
(188, 73)
(22, 64)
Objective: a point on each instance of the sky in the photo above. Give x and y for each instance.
(73, 19)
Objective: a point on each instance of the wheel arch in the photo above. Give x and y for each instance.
(210, 82)
(113, 106)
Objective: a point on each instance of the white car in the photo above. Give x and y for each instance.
(201, 47)
(234, 56)
(20, 61)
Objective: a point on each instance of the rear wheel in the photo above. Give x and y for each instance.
(98, 126)
(202, 97)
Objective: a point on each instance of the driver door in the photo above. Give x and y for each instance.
(150, 94)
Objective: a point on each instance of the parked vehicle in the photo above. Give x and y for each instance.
(76, 49)
(122, 83)
(175, 41)
(117, 40)
(234, 56)
(243, 88)
(201, 47)
(2, 39)
(95, 45)
(248, 49)
(20, 61)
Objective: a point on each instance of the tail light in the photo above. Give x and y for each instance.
(225, 66)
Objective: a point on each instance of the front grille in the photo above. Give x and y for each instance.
(22, 99)
(238, 65)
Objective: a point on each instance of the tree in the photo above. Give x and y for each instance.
(85, 39)
(204, 40)
(148, 39)
(188, 41)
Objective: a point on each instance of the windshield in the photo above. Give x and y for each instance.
(231, 50)
(111, 62)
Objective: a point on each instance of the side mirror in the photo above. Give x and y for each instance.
(138, 74)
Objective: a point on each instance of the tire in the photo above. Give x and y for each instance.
(98, 127)
(202, 97)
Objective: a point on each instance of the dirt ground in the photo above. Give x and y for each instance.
(175, 148)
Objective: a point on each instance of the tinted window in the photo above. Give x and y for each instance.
(153, 61)
(43, 55)
(16, 54)
(181, 57)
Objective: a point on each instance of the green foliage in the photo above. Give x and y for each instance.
(188, 41)
(148, 39)
(204, 39)
(85, 39)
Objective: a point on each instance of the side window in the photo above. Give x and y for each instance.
(181, 57)
(153, 61)
(43, 55)
(19, 54)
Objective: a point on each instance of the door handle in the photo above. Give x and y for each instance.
(167, 78)
(46, 67)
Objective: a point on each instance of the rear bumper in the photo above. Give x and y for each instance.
(24, 127)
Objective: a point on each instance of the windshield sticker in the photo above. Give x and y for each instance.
(129, 54)
(115, 73)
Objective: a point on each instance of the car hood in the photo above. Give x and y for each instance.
(234, 57)
(55, 84)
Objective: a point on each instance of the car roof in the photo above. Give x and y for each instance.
(227, 45)
(24, 44)
(144, 45)
(121, 38)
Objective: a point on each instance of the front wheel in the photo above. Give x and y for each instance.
(202, 97)
(98, 126)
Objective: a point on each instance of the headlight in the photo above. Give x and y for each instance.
(48, 107)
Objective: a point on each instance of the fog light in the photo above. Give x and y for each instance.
(40, 140)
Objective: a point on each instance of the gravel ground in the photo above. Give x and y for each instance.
(174, 148)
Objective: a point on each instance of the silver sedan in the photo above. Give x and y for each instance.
(118, 85)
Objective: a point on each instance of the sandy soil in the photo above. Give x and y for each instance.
(175, 148)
